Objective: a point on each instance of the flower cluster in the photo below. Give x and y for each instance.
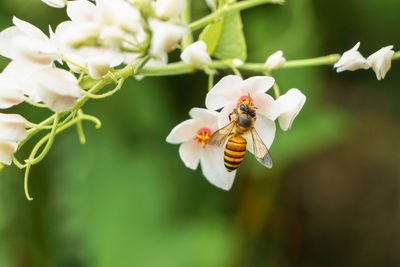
(97, 37)
(380, 61)
(194, 134)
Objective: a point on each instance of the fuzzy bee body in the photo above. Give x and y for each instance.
(235, 150)
(242, 121)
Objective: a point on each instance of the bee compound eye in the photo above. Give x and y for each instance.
(242, 107)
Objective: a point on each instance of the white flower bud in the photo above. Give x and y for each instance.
(12, 127)
(196, 54)
(166, 36)
(56, 3)
(10, 93)
(211, 3)
(381, 61)
(78, 60)
(57, 88)
(7, 150)
(352, 60)
(289, 105)
(237, 62)
(169, 8)
(275, 61)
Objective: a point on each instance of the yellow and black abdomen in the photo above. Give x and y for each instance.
(234, 152)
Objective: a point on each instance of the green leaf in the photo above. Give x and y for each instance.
(211, 35)
(232, 43)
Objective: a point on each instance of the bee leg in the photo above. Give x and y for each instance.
(232, 113)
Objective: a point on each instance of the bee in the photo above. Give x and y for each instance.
(242, 121)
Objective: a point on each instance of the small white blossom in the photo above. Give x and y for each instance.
(196, 54)
(12, 127)
(289, 106)
(57, 88)
(212, 3)
(193, 135)
(99, 61)
(25, 42)
(231, 91)
(237, 62)
(10, 92)
(381, 61)
(56, 3)
(351, 60)
(169, 8)
(166, 36)
(7, 150)
(275, 61)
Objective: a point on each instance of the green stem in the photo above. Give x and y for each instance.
(186, 17)
(46, 149)
(396, 55)
(46, 139)
(229, 8)
(79, 127)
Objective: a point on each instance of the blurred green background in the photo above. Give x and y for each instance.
(126, 199)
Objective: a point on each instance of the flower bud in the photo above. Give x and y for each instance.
(289, 105)
(7, 150)
(196, 54)
(12, 127)
(351, 60)
(169, 8)
(275, 61)
(57, 88)
(381, 61)
(10, 93)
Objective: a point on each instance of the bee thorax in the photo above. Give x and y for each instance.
(244, 121)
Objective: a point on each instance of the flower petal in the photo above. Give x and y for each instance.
(169, 8)
(257, 84)
(266, 106)
(56, 3)
(381, 61)
(81, 11)
(212, 166)
(206, 118)
(183, 132)
(265, 129)
(7, 150)
(223, 117)
(190, 153)
(226, 91)
(29, 29)
(196, 54)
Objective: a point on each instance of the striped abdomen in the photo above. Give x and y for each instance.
(234, 152)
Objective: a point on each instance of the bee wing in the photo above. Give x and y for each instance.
(219, 137)
(260, 150)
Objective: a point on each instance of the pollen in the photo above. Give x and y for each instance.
(247, 100)
(203, 136)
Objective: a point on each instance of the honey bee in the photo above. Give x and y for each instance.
(242, 121)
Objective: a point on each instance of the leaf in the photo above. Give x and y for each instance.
(211, 35)
(232, 43)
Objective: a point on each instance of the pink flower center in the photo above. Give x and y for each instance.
(203, 136)
(246, 100)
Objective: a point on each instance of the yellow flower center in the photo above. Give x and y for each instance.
(203, 136)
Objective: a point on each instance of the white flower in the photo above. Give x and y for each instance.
(12, 127)
(10, 92)
(381, 61)
(231, 91)
(57, 88)
(196, 54)
(56, 3)
(193, 135)
(166, 36)
(24, 42)
(275, 61)
(7, 150)
(351, 60)
(169, 8)
(289, 106)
